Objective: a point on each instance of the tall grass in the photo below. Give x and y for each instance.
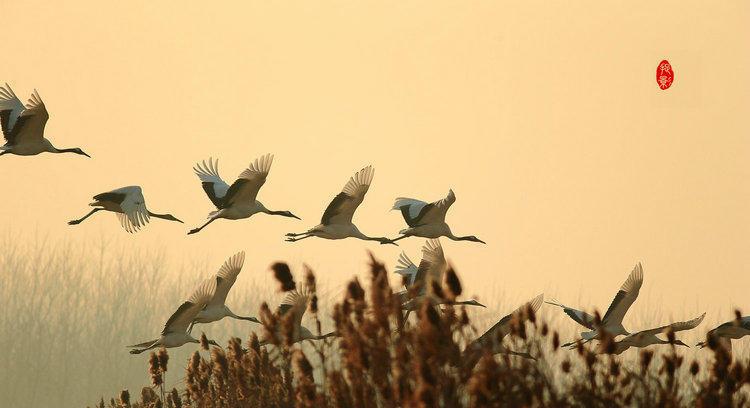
(378, 360)
(67, 311)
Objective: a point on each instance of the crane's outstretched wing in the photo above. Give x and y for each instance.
(226, 277)
(134, 213)
(245, 188)
(417, 212)
(432, 265)
(10, 109)
(675, 327)
(579, 316)
(342, 207)
(406, 268)
(214, 186)
(503, 327)
(625, 296)
(295, 302)
(186, 313)
(30, 124)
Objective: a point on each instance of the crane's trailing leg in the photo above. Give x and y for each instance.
(393, 241)
(194, 230)
(297, 237)
(80, 220)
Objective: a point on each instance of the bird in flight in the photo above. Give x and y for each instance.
(175, 330)
(493, 337)
(612, 321)
(293, 307)
(23, 126)
(216, 309)
(645, 338)
(237, 201)
(726, 332)
(427, 220)
(129, 205)
(419, 279)
(337, 218)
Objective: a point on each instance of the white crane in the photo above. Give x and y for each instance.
(175, 330)
(431, 268)
(645, 338)
(726, 332)
(427, 220)
(293, 307)
(216, 309)
(23, 127)
(129, 205)
(493, 338)
(237, 201)
(612, 321)
(337, 218)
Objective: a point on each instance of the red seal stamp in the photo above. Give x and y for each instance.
(664, 74)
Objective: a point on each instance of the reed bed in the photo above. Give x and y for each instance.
(68, 311)
(379, 360)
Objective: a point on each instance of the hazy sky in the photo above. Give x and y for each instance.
(544, 117)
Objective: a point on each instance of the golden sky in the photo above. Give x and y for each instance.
(544, 117)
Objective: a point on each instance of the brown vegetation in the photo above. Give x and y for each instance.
(378, 360)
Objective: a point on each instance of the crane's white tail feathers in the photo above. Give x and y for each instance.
(261, 166)
(361, 179)
(144, 344)
(208, 172)
(232, 266)
(204, 292)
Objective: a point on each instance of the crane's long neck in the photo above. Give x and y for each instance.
(283, 213)
(248, 318)
(362, 236)
(168, 217)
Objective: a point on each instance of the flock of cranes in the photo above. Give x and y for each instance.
(23, 130)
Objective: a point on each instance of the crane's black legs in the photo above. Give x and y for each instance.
(248, 318)
(139, 351)
(393, 241)
(194, 230)
(382, 240)
(80, 220)
(296, 237)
